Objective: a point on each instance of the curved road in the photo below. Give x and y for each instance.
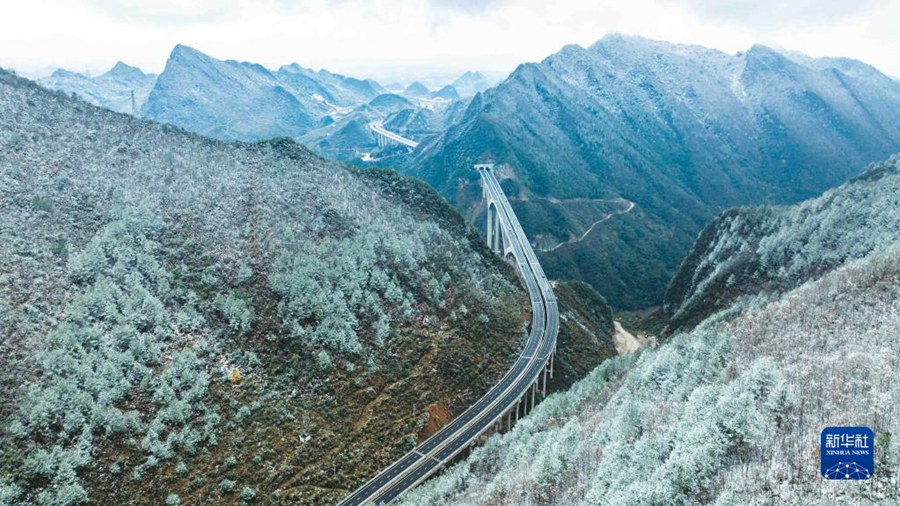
(433, 453)
(379, 129)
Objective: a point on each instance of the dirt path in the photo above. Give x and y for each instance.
(588, 231)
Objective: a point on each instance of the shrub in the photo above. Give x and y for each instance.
(226, 486)
(247, 495)
(324, 360)
(41, 204)
(237, 310)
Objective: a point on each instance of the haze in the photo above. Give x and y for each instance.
(394, 39)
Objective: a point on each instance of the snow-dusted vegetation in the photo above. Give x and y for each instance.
(683, 131)
(166, 299)
(747, 250)
(730, 412)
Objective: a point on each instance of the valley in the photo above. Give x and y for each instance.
(439, 253)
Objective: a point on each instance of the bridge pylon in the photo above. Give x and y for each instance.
(495, 239)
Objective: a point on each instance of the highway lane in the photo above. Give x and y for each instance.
(378, 128)
(535, 281)
(429, 456)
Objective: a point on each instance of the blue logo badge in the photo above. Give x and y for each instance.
(848, 453)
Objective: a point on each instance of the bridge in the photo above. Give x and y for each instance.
(385, 137)
(514, 395)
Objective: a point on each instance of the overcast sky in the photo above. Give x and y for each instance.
(386, 39)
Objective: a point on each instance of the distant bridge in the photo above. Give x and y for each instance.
(386, 137)
(509, 398)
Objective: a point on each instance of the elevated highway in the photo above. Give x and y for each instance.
(507, 400)
(385, 136)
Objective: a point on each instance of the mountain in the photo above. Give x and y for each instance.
(233, 100)
(695, 421)
(616, 155)
(349, 138)
(227, 99)
(416, 90)
(447, 93)
(184, 320)
(389, 102)
(424, 123)
(334, 88)
(752, 250)
(470, 83)
(112, 90)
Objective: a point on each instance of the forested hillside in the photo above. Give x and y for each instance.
(730, 412)
(683, 132)
(188, 321)
(749, 250)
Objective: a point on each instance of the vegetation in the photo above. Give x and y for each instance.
(730, 412)
(746, 251)
(726, 414)
(189, 321)
(684, 132)
(585, 333)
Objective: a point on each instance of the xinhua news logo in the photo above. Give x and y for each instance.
(848, 453)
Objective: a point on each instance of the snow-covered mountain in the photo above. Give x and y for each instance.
(334, 88)
(348, 137)
(731, 412)
(416, 90)
(470, 83)
(447, 93)
(245, 101)
(153, 282)
(227, 99)
(112, 90)
(682, 131)
(747, 250)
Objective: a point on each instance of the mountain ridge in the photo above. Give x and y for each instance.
(683, 131)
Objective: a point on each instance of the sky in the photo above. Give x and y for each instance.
(402, 39)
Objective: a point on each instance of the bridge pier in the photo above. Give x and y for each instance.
(551, 365)
(495, 239)
(544, 386)
(533, 392)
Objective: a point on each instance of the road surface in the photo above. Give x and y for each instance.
(379, 129)
(436, 451)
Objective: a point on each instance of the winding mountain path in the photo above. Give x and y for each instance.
(588, 231)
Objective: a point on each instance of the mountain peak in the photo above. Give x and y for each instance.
(416, 89)
(760, 57)
(182, 52)
(293, 67)
(470, 83)
(122, 70)
(65, 73)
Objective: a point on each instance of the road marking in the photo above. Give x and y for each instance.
(513, 384)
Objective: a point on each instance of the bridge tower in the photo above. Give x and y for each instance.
(495, 237)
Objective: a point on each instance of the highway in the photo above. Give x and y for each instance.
(379, 129)
(429, 456)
